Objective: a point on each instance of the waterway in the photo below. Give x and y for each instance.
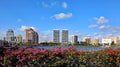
(84, 48)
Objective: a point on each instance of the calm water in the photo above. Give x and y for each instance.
(84, 48)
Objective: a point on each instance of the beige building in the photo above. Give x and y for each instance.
(18, 38)
(31, 36)
(116, 40)
(95, 41)
(87, 40)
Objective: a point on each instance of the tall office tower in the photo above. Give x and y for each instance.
(56, 36)
(10, 36)
(74, 39)
(31, 36)
(64, 36)
(36, 38)
(19, 38)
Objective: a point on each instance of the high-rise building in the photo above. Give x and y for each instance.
(56, 36)
(64, 36)
(31, 36)
(10, 35)
(36, 38)
(74, 39)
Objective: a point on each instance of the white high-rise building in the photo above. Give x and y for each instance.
(56, 36)
(64, 36)
(10, 36)
(74, 39)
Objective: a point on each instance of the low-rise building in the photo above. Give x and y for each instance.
(1, 42)
(95, 41)
(87, 40)
(106, 41)
(116, 40)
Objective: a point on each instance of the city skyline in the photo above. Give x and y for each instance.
(83, 18)
(31, 36)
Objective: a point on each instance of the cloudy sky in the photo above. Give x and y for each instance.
(86, 18)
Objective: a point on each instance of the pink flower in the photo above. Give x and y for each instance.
(71, 48)
(44, 51)
(14, 53)
(37, 51)
(79, 52)
(22, 58)
(17, 66)
(113, 52)
(56, 50)
(29, 50)
(1, 58)
(63, 50)
(30, 56)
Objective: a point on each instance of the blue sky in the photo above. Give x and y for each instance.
(93, 18)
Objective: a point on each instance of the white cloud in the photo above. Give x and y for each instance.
(98, 36)
(93, 26)
(19, 20)
(23, 28)
(114, 29)
(26, 27)
(101, 20)
(33, 28)
(95, 34)
(64, 5)
(109, 30)
(103, 27)
(62, 16)
(44, 4)
(45, 36)
(53, 3)
(86, 35)
(118, 28)
(109, 35)
(2, 34)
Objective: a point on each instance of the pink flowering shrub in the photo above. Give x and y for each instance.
(62, 57)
